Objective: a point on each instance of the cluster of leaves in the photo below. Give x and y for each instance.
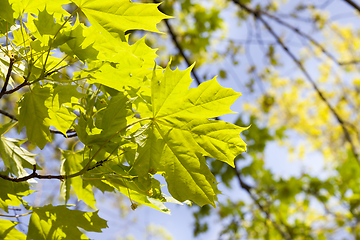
(132, 118)
(299, 62)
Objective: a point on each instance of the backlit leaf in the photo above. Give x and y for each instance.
(59, 222)
(15, 157)
(33, 115)
(118, 16)
(73, 163)
(12, 192)
(9, 232)
(179, 123)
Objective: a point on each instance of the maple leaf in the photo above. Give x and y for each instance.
(59, 222)
(33, 115)
(43, 107)
(8, 230)
(15, 157)
(118, 16)
(180, 122)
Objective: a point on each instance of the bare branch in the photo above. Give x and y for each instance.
(311, 39)
(12, 61)
(8, 115)
(15, 89)
(68, 131)
(15, 216)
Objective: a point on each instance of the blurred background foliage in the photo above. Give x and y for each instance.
(297, 64)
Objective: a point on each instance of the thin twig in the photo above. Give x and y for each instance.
(257, 15)
(25, 83)
(15, 216)
(311, 39)
(248, 188)
(8, 115)
(34, 174)
(11, 64)
(51, 130)
(295, 29)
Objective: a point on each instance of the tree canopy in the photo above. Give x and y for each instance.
(296, 62)
(131, 118)
(91, 103)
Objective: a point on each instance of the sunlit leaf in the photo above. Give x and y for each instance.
(9, 232)
(59, 222)
(15, 157)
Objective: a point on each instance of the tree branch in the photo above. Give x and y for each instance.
(15, 89)
(11, 64)
(248, 188)
(15, 216)
(296, 30)
(68, 131)
(180, 49)
(8, 115)
(51, 130)
(34, 174)
(257, 15)
(354, 5)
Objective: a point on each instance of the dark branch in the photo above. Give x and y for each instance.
(8, 115)
(248, 188)
(354, 5)
(34, 174)
(12, 61)
(68, 131)
(257, 15)
(350, 62)
(15, 89)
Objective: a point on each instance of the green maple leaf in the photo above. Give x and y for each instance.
(115, 17)
(12, 192)
(30, 6)
(133, 189)
(59, 222)
(44, 107)
(34, 114)
(9, 232)
(6, 13)
(114, 118)
(15, 157)
(77, 45)
(180, 133)
(65, 94)
(133, 62)
(46, 26)
(72, 162)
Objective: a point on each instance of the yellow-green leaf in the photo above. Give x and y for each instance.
(180, 134)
